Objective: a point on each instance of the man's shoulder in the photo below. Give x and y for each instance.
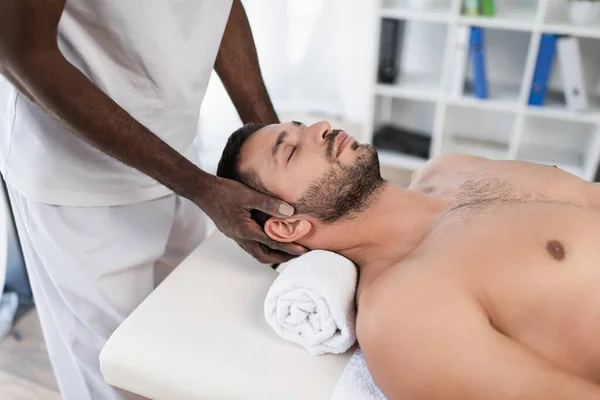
(449, 160)
(456, 157)
(402, 310)
(443, 163)
(406, 292)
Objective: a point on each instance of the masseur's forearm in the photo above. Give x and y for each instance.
(55, 85)
(31, 60)
(237, 66)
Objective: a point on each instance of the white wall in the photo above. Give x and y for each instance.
(319, 57)
(316, 57)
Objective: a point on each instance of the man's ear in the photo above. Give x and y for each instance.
(287, 230)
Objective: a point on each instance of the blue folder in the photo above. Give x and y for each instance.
(477, 50)
(543, 68)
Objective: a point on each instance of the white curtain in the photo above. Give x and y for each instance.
(316, 58)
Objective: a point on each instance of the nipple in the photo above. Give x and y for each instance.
(556, 249)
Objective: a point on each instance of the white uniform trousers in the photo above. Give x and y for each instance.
(90, 267)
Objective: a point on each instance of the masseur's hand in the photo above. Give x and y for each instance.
(229, 206)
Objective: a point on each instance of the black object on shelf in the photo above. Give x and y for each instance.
(394, 138)
(389, 50)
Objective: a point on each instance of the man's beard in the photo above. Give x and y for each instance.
(344, 191)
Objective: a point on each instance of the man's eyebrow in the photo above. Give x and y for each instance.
(297, 123)
(280, 139)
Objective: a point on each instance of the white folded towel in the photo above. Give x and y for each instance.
(356, 382)
(312, 303)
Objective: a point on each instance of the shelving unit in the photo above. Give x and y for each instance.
(415, 86)
(568, 145)
(401, 10)
(557, 21)
(503, 126)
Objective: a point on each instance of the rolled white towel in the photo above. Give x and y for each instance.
(312, 303)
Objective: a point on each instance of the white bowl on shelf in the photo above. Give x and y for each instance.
(584, 12)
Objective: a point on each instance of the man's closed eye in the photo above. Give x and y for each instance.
(291, 154)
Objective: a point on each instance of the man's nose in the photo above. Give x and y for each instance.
(321, 129)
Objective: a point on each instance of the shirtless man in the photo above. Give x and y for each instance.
(481, 281)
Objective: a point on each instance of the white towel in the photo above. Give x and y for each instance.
(312, 303)
(356, 382)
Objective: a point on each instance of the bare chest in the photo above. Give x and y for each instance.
(506, 181)
(535, 267)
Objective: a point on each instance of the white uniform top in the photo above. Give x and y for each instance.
(153, 58)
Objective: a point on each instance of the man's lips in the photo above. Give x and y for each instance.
(343, 140)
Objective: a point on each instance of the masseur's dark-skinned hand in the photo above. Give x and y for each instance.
(229, 206)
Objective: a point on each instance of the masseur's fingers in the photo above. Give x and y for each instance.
(263, 254)
(229, 205)
(271, 206)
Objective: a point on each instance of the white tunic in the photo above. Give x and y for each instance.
(152, 57)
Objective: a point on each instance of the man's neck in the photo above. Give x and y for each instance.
(386, 233)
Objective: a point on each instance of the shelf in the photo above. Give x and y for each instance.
(494, 105)
(402, 116)
(566, 144)
(570, 162)
(556, 109)
(557, 21)
(497, 23)
(483, 133)
(509, 15)
(502, 98)
(491, 150)
(413, 86)
(505, 59)
(555, 105)
(399, 9)
(572, 30)
(399, 160)
(420, 67)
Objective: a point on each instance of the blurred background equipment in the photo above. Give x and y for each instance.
(415, 66)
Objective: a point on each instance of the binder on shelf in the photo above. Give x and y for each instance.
(488, 8)
(461, 60)
(402, 140)
(543, 69)
(569, 56)
(477, 50)
(390, 47)
(472, 7)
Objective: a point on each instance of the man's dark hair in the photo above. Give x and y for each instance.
(229, 166)
(340, 193)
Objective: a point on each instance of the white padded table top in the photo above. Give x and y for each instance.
(202, 335)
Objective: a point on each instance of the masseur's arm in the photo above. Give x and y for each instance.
(445, 348)
(31, 61)
(237, 66)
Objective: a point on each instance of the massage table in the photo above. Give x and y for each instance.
(202, 335)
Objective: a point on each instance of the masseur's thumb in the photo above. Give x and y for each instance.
(272, 206)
